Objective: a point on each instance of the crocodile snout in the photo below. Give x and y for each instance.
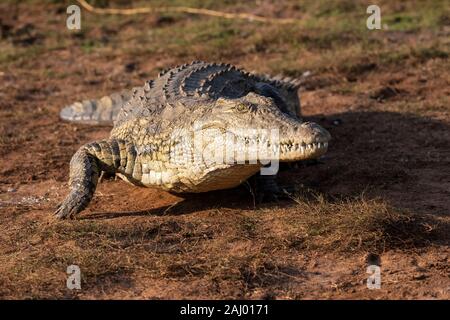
(310, 132)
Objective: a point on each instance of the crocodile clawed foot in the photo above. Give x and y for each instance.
(275, 193)
(266, 196)
(68, 208)
(64, 211)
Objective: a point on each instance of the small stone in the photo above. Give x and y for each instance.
(130, 67)
(306, 74)
(421, 276)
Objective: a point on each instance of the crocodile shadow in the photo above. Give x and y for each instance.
(238, 198)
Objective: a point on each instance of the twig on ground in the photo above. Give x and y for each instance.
(199, 11)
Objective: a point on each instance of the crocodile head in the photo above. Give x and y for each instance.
(233, 139)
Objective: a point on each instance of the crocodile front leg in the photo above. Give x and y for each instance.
(85, 167)
(265, 188)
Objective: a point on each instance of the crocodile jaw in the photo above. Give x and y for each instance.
(302, 151)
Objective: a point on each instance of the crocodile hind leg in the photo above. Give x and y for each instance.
(88, 162)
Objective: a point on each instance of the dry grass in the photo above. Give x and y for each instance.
(240, 249)
(353, 224)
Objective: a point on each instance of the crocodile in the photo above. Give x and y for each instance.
(153, 140)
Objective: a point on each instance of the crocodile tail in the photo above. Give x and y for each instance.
(281, 81)
(101, 111)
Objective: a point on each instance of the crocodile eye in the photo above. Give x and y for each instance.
(241, 107)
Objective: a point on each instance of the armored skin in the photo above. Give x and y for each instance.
(166, 132)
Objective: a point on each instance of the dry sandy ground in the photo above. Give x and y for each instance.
(382, 191)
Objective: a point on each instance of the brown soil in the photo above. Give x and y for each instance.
(382, 189)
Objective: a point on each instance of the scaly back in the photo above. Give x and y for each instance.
(180, 87)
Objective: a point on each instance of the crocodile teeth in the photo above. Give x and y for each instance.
(300, 147)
